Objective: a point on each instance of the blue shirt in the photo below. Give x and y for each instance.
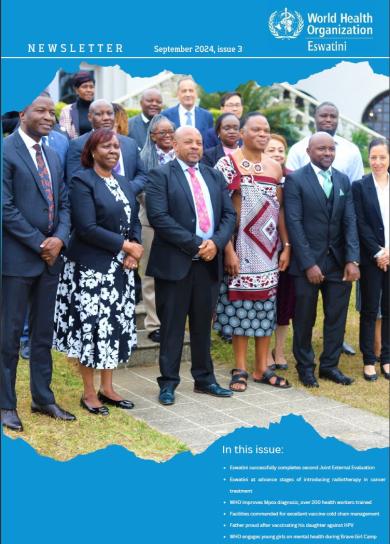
(206, 195)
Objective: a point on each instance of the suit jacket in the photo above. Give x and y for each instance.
(138, 130)
(203, 118)
(134, 169)
(211, 156)
(97, 218)
(314, 229)
(25, 209)
(369, 218)
(60, 144)
(171, 212)
(211, 139)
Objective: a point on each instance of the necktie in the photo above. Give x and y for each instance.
(189, 118)
(200, 204)
(45, 183)
(327, 184)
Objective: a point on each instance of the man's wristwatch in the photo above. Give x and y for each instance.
(355, 263)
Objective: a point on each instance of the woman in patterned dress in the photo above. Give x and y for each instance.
(247, 302)
(95, 307)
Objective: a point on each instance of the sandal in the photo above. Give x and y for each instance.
(266, 379)
(278, 366)
(238, 376)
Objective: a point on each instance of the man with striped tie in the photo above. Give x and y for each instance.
(193, 218)
(36, 225)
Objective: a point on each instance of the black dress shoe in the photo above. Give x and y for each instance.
(25, 350)
(52, 410)
(213, 389)
(386, 374)
(124, 404)
(308, 379)
(348, 350)
(100, 411)
(370, 377)
(335, 375)
(155, 336)
(166, 396)
(10, 420)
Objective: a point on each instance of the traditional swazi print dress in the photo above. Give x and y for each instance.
(95, 312)
(247, 302)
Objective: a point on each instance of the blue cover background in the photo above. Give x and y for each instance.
(139, 505)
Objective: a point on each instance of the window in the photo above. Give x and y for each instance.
(376, 115)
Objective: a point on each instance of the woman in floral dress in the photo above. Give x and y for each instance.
(247, 302)
(95, 308)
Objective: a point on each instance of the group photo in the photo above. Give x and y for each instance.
(177, 264)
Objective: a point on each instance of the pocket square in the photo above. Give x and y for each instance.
(341, 192)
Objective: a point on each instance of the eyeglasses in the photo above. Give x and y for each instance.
(163, 133)
(235, 105)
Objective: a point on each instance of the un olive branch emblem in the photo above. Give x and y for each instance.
(285, 25)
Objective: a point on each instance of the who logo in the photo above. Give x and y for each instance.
(285, 25)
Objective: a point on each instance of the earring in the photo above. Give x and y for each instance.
(93, 156)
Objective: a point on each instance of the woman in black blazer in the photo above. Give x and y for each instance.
(371, 197)
(227, 127)
(95, 308)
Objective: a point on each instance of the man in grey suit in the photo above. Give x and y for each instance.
(321, 223)
(101, 115)
(151, 104)
(36, 225)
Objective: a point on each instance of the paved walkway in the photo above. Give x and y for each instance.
(199, 420)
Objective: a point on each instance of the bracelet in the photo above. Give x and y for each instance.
(287, 244)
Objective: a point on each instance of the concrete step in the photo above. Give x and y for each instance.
(147, 352)
(140, 314)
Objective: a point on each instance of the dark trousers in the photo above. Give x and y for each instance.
(373, 282)
(18, 293)
(335, 297)
(194, 296)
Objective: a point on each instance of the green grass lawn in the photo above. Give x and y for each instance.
(371, 396)
(63, 441)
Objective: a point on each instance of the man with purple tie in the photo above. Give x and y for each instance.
(190, 210)
(36, 225)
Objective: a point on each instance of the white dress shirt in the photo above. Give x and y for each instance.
(206, 196)
(347, 160)
(184, 118)
(317, 171)
(29, 142)
(383, 199)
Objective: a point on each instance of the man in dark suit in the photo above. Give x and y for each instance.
(36, 224)
(321, 222)
(186, 113)
(189, 207)
(151, 105)
(101, 115)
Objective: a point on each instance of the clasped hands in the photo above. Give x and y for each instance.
(207, 250)
(134, 252)
(383, 261)
(51, 248)
(314, 274)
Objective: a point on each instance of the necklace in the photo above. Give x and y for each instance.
(246, 164)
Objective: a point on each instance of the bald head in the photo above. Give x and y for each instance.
(188, 145)
(321, 150)
(101, 114)
(151, 103)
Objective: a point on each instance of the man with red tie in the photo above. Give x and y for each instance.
(36, 225)
(189, 207)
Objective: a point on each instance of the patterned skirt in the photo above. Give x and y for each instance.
(244, 317)
(95, 315)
